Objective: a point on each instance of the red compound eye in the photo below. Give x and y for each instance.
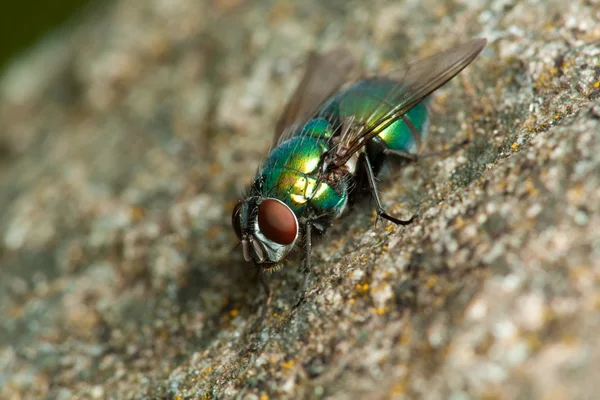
(236, 221)
(277, 222)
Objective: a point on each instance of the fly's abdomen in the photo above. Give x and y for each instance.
(367, 101)
(289, 174)
(399, 136)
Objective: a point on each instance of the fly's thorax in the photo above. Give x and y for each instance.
(292, 174)
(266, 227)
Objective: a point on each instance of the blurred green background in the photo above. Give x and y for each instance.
(23, 23)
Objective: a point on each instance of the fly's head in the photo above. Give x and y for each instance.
(267, 229)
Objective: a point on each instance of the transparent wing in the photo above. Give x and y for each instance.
(417, 82)
(324, 75)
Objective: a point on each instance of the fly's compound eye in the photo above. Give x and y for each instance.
(277, 222)
(236, 221)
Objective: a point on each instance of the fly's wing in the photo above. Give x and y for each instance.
(324, 75)
(418, 81)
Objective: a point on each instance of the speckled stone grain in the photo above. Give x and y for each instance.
(127, 137)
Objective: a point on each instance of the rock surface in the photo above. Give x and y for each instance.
(125, 142)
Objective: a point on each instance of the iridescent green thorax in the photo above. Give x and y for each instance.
(368, 100)
(318, 127)
(291, 169)
(290, 175)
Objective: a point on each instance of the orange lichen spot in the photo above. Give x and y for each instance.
(441, 99)
(405, 339)
(556, 117)
(264, 397)
(380, 310)
(215, 168)
(234, 313)
(515, 146)
(288, 364)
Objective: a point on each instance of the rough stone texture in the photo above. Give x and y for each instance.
(126, 139)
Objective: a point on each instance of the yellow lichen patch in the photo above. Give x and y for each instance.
(596, 302)
(264, 397)
(205, 372)
(597, 84)
(234, 313)
(530, 187)
(380, 310)
(288, 364)
(137, 213)
(576, 194)
(398, 390)
(533, 340)
(515, 146)
(362, 288)
(352, 301)
(570, 340)
(460, 223)
(386, 65)
(384, 249)
(431, 281)
(373, 216)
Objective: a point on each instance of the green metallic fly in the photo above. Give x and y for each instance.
(325, 158)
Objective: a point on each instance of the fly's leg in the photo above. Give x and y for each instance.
(373, 187)
(414, 157)
(306, 270)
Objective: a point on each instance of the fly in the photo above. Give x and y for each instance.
(325, 158)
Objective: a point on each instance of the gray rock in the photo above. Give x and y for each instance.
(125, 140)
